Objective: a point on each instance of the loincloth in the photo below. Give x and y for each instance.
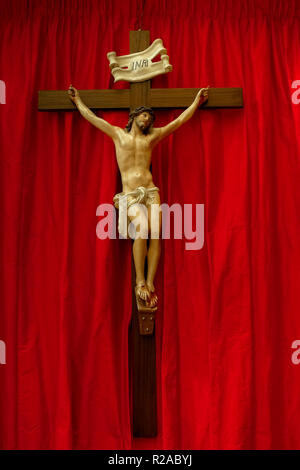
(140, 195)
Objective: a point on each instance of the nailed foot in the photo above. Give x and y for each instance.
(144, 299)
(142, 291)
(153, 299)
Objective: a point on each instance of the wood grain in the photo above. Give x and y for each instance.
(144, 401)
(95, 99)
(140, 93)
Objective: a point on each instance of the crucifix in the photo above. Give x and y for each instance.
(142, 342)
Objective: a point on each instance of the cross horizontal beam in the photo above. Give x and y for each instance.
(158, 98)
(95, 99)
(183, 97)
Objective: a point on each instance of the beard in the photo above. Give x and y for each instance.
(143, 127)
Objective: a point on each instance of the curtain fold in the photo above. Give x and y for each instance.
(230, 311)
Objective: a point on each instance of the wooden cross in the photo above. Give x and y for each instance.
(142, 347)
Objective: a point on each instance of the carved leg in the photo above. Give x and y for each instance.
(153, 259)
(139, 255)
(154, 220)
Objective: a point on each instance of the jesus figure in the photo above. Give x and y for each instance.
(134, 146)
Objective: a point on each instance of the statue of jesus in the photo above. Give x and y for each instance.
(134, 146)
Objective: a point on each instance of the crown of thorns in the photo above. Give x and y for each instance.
(136, 112)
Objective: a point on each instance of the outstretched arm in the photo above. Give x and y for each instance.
(201, 97)
(101, 124)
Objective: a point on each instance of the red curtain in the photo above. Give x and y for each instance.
(230, 311)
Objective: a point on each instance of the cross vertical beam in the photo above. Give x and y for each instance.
(143, 352)
(139, 92)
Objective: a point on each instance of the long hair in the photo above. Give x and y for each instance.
(136, 112)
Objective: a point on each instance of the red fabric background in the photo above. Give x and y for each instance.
(230, 310)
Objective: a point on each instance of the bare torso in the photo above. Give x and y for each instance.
(134, 154)
(135, 144)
